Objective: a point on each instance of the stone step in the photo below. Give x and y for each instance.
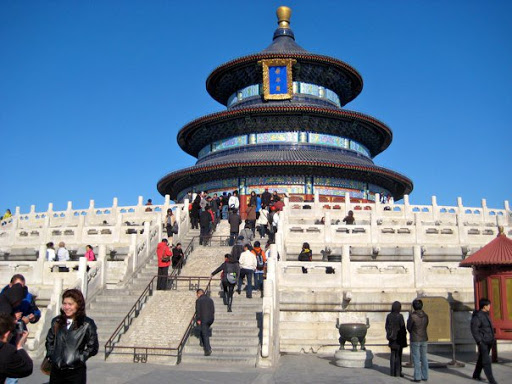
(117, 306)
(223, 349)
(228, 340)
(221, 360)
(222, 331)
(106, 300)
(226, 322)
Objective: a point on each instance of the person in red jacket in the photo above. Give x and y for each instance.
(164, 260)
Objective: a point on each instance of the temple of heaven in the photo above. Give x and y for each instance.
(285, 129)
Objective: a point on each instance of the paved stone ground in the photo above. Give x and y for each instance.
(293, 369)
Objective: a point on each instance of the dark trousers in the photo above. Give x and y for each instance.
(248, 273)
(161, 282)
(252, 225)
(204, 336)
(232, 238)
(484, 361)
(204, 235)
(258, 280)
(228, 293)
(395, 361)
(263, 230)
(168, 228)
(68, 376)
(195, 222)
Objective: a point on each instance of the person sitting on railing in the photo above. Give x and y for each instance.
(7, 215)
(163, 254)
(148, 205)
(177, 257)
(350, 219)
(230, 272)
(89, 253)
(50, 252)
(305, 255)
(62, 252)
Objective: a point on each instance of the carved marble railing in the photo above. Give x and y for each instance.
(407, 211)
(395, 224)
(110, 225)
(270, 350)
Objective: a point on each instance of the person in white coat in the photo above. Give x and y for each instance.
(247, 267)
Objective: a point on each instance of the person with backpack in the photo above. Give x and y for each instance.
(247, 233)
(230, 271)
(247, 268)
(261, 263)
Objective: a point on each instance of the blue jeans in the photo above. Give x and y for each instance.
(11, 380)
(258, 281)
(419, 359)
(248, 273)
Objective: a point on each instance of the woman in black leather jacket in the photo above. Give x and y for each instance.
(71, 340)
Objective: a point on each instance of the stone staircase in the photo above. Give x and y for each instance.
(166, 312)
(110, 307)
(235, 335)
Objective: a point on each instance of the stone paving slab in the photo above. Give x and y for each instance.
(294, 369)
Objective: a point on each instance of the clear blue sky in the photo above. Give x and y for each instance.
(93, 93)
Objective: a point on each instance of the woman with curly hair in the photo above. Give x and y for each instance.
(72, 339)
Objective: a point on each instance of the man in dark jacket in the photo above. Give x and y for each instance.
(205, 315)
(14, 360)
(483, 333)
(265, 198)
(205, 220)
(417, 324)
(234, 221)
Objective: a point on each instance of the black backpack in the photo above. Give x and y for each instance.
(260, 264)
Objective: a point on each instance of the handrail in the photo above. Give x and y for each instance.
(125, 323)
(191, 325)
(166, 351)
(148, 291)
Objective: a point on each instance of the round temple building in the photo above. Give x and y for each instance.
(285, 129)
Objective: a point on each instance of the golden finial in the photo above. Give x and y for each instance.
(283, 17)
(501, 230)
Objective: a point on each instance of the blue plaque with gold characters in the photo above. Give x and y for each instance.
(277, 79)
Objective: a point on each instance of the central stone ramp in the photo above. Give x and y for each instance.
(167, 314)
(235, 335)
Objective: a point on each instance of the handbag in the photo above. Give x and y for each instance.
(175, 228)
(46, 365)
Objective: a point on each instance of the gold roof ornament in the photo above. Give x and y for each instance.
(283, 17)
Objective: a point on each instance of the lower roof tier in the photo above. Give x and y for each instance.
(364, 129)
(292, 163)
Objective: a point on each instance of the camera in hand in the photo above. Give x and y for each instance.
(19, 327)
